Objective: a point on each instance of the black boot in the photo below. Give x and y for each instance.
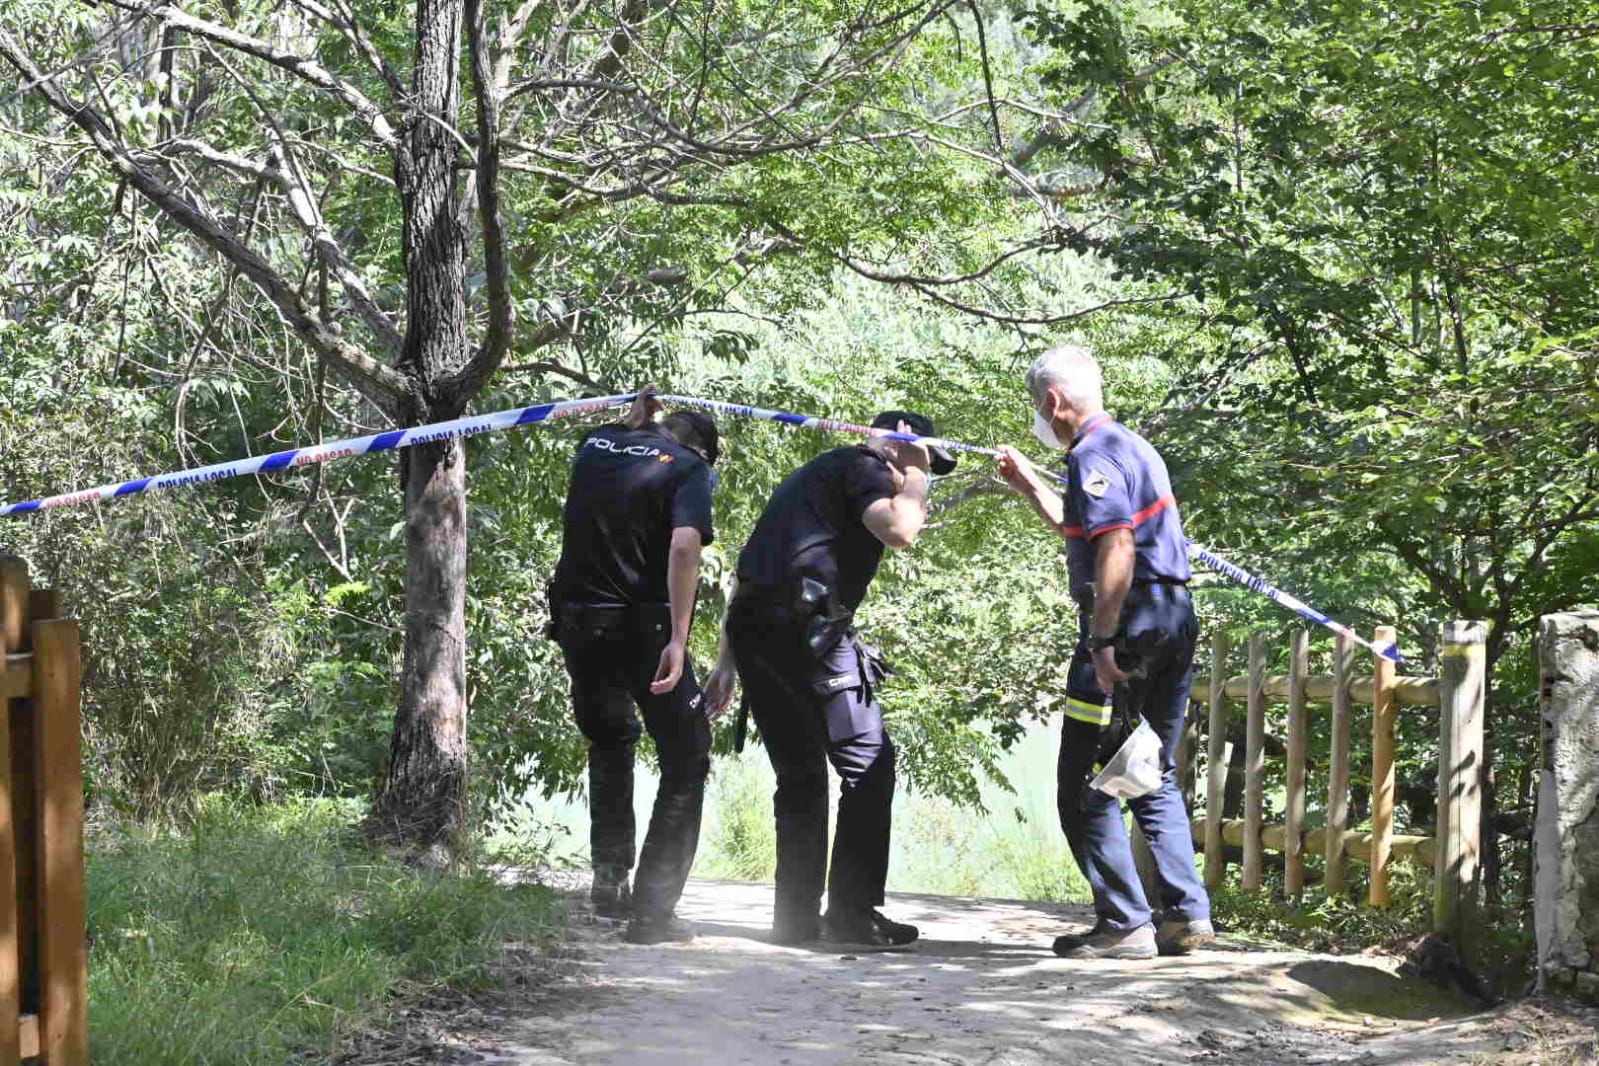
(611, 899)
(866, 929)
(662, 930)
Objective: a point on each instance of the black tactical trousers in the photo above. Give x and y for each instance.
(812, 710)
(612, 654)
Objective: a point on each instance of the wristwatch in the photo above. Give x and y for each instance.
(1097, 643)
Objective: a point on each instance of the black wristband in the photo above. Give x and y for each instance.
(1096, 643)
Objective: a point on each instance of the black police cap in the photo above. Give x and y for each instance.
(943, 462)
(703, 427)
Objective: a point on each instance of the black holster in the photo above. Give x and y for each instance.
(812, 607)
(826, 620)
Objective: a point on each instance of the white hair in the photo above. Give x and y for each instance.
(1074, 371)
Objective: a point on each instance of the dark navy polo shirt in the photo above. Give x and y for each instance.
(630, 489)
(813, 527)
(1118, 481)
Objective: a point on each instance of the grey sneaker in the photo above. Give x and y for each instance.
(1067, 941)
(1111, 944)
(1180, 937)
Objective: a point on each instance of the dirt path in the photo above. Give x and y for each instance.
(983, 988)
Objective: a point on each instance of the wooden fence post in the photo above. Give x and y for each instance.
(63, 962)
(1338, 765)
(1188, 758)
(1462, 694)
(1216, 772)
(1294, 807)
(13, 630)
(1255, 765)
(1384, 716)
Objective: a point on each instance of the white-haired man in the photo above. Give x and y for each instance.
(1128, 566)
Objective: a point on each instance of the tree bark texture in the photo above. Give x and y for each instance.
(423, 800)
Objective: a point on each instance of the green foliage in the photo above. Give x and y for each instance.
(742, 843)
(1362, 239)
(1332, 924)
(265, 932)
(1380, 250)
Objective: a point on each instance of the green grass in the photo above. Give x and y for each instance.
(740, 841)
(261, 933)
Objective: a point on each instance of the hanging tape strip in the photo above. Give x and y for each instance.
(1387, 649)
(292, 458)
(515, 418)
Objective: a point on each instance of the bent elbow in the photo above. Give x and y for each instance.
(900, 537)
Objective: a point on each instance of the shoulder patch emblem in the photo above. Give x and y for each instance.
(1096, 484)
(665, 458)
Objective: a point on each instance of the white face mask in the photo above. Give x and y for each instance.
(1044, 430)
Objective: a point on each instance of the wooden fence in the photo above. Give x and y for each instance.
(43, 955)
(1451, 850)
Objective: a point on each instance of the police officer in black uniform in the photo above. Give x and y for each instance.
(811, 684)
(637, 515)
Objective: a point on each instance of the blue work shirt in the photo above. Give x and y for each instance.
(1119, 481)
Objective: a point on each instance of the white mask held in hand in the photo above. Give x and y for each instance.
(1044, 430)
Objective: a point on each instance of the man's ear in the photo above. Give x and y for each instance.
(1051, 403)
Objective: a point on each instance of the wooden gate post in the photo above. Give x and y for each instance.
(1462, 694)
(1255, 765)
(1294, 807)
(13, 633)
(63, 908)
(1384, 716)
(1216, 772)
(1338, 765)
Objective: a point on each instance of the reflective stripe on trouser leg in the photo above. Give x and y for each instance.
(1090, 713)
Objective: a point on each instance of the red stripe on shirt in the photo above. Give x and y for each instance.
(1153, 509)
(1109, 529)
(1138, 519)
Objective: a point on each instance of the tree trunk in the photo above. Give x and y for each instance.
(423, 801)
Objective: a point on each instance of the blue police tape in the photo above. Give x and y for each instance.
(469, 426)
(1388, 649)
(812, 422)
(498, 421)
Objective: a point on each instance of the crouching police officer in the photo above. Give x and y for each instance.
(637, 515)
(1128, 566)
(811, 684)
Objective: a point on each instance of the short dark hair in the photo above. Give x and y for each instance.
(696, 430)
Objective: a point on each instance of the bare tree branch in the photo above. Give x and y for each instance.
(191, 146)
(560, 370)
(378, 383)
(297, 188)
(502, 311)
(342, 18)
(304, 67)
